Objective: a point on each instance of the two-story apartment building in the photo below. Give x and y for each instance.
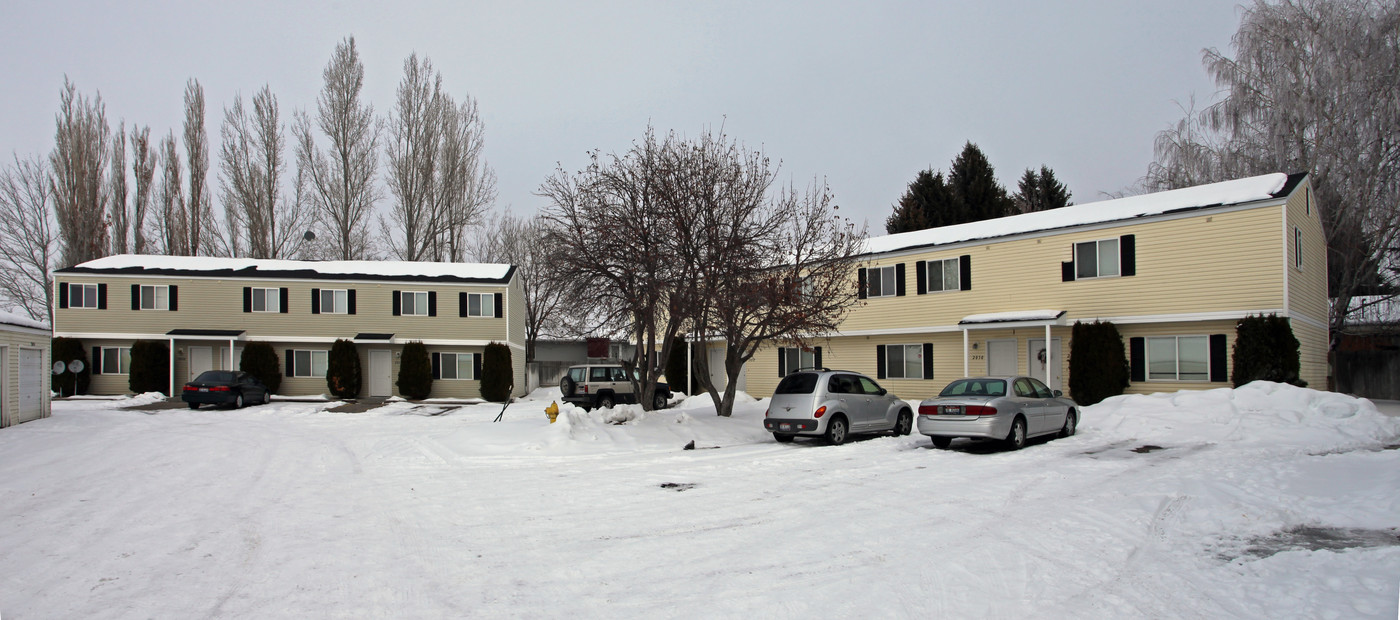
(1173, 271)
(206, 309)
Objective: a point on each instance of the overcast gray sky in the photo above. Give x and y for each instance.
(864, 94)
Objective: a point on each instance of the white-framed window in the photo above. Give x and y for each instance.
(413, 303)
(82, 296)
(481, 305)
(943, 275)
(1297, 248)
(309, 363)
(155, 297)
(615, 350)
(1096, 259)
(1307, 201)
(114, 360)
(458, 365)
(795, 359)
(335, 301)
(1178, 358)
(267, 300)
(880, 282)
(904, 361)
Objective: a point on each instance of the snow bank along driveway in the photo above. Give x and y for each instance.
(1268, 501)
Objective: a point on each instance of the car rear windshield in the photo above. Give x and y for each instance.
(975, 387)
(215, 376)
(800, 383)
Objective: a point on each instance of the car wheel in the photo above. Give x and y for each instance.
(836, 431)
(238, 401)
(658, 402)
(942, 443)
(1071, 422)
(194, 405)
(783, 438)
(566, 385)
(1016, 439)
(905, 423)
(605, 402)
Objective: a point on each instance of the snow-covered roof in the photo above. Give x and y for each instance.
(145, 264)
(1224, 193)
(1374, 310)
(1010, 317)
(20, 320)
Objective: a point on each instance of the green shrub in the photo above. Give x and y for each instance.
(150, 367)
(66, 350)
(1265, 349)
(260, 360)
(415, 372)
(497, 373)
(1098, 367)
(676, 375)
(343, 370)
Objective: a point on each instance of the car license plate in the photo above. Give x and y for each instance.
(952, 410)
(204, 389)
(785, 427)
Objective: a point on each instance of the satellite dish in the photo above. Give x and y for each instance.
(309, 236)
(59, 367)
(75, 366)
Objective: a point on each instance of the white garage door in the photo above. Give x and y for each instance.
(31, 384)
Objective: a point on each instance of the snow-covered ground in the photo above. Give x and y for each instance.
(1264, 502)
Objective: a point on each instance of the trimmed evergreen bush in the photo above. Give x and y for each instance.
(260, 360)
(343, 370)
(1098, 367)
(415, 372)
(66, 350)
(497, 373)
(676, 375)
(150, 367)
(1265, 349)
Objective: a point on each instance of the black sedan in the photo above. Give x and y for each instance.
(224, 387)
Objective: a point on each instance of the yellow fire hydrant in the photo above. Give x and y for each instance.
(552, 411)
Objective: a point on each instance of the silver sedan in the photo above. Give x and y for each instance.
(1011, 409)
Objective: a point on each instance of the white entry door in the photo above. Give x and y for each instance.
(1001, 358)
(1041, 361)
(201, 359)
(31, 384)
(380, 371)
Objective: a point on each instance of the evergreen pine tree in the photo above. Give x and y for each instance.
(975, 186)
(927, 203)
(415, 372)
(343, 370)
(1040, 191)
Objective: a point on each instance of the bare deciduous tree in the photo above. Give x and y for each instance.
(521, 242)
(197, 151)
(261, 219)
(143, 169)
(466, 185)
(1312, 87)
(79, 165)
(28, 237)
(120, 220)
(341, 179)
(172, 223)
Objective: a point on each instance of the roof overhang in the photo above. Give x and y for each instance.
(1007, 320)
(205, 334)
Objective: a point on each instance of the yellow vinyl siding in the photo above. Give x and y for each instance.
(1313, 343)
(1307, 288)
(1219, 262)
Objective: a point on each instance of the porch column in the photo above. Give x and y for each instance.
(172, 366)
(965, 351)
(1049, 359)
(230, 354)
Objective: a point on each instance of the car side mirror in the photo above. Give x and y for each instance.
(1058, 393)
(884, 391)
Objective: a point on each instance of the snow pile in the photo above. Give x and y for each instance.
(386, 268)
(20, 320)
(1264, 414)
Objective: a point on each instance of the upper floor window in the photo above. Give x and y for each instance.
(1297, 248)
(155, 297)
(82, 296)
(414, 303)
(1096, 259)
(335, 301)
(267, 300)
(479, 304)
(881, 282)
(943, 275)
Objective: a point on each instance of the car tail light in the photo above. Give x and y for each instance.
(821, 411)
(979, 410)
(765, 412)
(928, 409)
(190, 388)
(583, 389)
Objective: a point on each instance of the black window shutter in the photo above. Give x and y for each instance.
(965, 272)
(247, 299)
(174, 298)
(476, 366)
(96, 364)
(860, 283)
(928, 360)
(1217, 359)
(782, 361)
(315, 301)
(1127, 254)
(350, 301)
(136, 297)
(1067, 271)
(463, 304)
(817, 357)
(437, 365)
(285, 298)
(1137, 353)
(63, 295)
(921, 276)
(879, 361)
(291, 368)
(899, 280)
(397, 301)
(500, 305)
(432, 303)
(101, 296)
